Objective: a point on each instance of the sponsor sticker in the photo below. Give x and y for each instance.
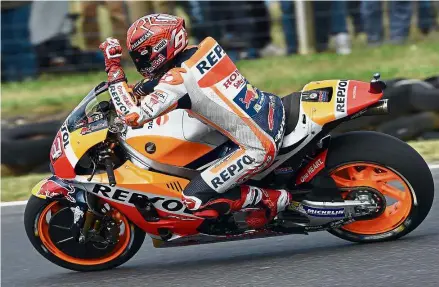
(324, 212)
(95, 117)
(250, 96)
(231, 170)
(65, 135)
(160, 46)
(323, 96)
(235, 79)
(151, 101)
(341, 99)
(210, 60)
(271, 108)
(160, 95)
(56, 150)
(117, 101)
(312, 168)
(54, 187)
(130, 197)
(96, 126)
(160, 59)
(142, 39)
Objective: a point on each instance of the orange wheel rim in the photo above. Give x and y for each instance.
(389, 183)
(43, 232)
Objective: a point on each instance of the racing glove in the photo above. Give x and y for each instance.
(112, 53)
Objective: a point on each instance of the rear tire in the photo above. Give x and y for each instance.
(392, 154)
(33, 211)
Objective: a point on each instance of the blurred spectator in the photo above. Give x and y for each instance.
(354, 10)
(261, 41)
(198, 12)
(339, 28)
(90, 27)
(289, 26)
(51, 26)
(426, 16)
(400, 13)
(17, 55)
(333, 23)
(229, 25)
(141, 8)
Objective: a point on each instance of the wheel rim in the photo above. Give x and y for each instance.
(44, 226)
(386, 181)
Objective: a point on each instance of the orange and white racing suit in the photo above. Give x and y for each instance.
(207, 83)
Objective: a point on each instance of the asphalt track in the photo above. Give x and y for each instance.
(318, 259)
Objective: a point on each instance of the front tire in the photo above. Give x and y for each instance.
(40, 214)
(391, 167)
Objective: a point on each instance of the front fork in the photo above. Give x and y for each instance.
(87, 220)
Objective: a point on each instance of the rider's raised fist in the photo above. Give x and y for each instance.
(112, 53)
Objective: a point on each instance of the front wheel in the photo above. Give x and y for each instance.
(48, 227)
(389, 167)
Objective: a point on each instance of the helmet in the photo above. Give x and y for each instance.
(154, 40)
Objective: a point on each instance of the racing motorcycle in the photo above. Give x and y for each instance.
(113, 184)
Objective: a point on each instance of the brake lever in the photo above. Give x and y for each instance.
(105, 155)
(110, 171)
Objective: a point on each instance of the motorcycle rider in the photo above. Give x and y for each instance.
(203, 80)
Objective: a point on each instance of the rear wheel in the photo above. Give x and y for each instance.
(390, 167)
(48, 227)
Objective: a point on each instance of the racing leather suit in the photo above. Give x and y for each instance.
(207, 83)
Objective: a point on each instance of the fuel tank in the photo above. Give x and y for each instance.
(174, 139)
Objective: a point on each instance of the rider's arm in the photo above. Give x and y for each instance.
(167, 95)
(164, 98)
(144, 87)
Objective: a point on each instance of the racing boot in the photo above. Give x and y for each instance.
(270, 201)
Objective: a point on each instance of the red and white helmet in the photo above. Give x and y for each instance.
(154, 40)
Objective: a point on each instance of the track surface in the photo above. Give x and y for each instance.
(297, 260)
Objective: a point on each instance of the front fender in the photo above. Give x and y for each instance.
(54, 187)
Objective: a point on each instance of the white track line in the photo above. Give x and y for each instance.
(13, 203)
(17, 203)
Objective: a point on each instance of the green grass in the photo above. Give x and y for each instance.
(19, 187)
(280, 75)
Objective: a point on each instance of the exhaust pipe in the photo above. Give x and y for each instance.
(378, 109)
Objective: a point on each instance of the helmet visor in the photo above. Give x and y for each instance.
(141, 59)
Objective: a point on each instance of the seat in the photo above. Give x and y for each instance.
(292, 109)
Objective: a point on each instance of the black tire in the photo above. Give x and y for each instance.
(389, 152)
(410, 127)
(408, 96)
(33, 209)
(25, 147)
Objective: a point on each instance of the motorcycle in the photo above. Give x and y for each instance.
(113, 184)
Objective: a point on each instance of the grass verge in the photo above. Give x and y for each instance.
(19, 187)
(279, 75)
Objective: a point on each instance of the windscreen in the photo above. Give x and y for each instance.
(88, 110)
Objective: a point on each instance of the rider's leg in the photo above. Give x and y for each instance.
(259, 143)
(206, 194)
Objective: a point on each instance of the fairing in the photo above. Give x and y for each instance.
(174, 139)
(84, 127)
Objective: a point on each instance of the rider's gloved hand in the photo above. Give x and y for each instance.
(112, 53)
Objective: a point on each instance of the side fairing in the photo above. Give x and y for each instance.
(174, 139)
